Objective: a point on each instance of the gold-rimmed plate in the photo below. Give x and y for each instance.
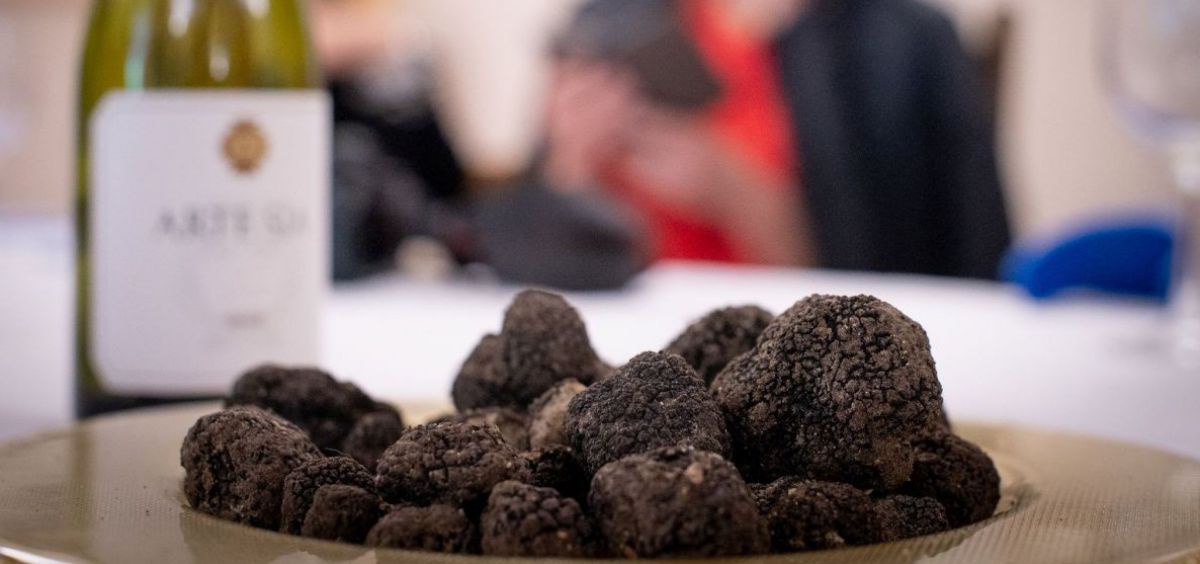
(109, 491)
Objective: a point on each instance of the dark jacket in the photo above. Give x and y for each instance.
(897, 151)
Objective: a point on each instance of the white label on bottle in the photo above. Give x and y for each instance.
(209, 236)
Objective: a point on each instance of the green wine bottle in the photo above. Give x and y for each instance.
(202, 212)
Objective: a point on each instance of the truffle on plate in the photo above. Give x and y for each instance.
(342, 513)
(904, 516)
(557, 467)
(547, 412)
(712, 341)
(371, 434)
(655, 400)
(836, 388)
(512, 424)
(235, 462)
(323, 407)
(528, 521)
(810, 514)
(436, 528)
(451, 463)
(542, 341)
(302, 484)
(676, 501)
(958, 474)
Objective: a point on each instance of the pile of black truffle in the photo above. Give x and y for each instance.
(750, 433)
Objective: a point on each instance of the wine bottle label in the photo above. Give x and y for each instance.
(208, 234)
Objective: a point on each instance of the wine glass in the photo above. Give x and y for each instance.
(1151, 63)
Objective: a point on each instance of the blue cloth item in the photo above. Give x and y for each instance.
(1128, 257)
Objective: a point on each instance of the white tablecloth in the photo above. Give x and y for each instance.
(1090, 365)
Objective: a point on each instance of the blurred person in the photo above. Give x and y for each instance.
(835, 133)
(396, 177)
(708, 167)
(395, 174)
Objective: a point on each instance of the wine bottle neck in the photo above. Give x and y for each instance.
(149, 44)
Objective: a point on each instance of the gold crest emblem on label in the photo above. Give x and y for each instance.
(245, 147)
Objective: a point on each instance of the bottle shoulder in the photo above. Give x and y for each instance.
(158, 44)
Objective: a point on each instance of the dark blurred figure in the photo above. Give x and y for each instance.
(836, 133)
(395, 175)
(897, 149)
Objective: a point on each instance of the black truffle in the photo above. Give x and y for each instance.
(371, 435)
(547, 412)
(513, 425)
(717, 338)
(235, 462)
(958, 474)
(482, 374)
(557, 467)
(528, 521)
(903, 516)
(302, 484)
(436, 528)
(325, 408)
(655, 400)
(342, 513)
(836, 387)
(543, 340)
(452, 463)
(809, 514)
(676, 501)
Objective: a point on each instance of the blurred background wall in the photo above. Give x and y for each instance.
(39, 42)
(1064, 152)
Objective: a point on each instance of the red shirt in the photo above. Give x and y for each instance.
(751, 119)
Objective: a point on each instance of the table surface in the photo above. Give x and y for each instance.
(1091, 365)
